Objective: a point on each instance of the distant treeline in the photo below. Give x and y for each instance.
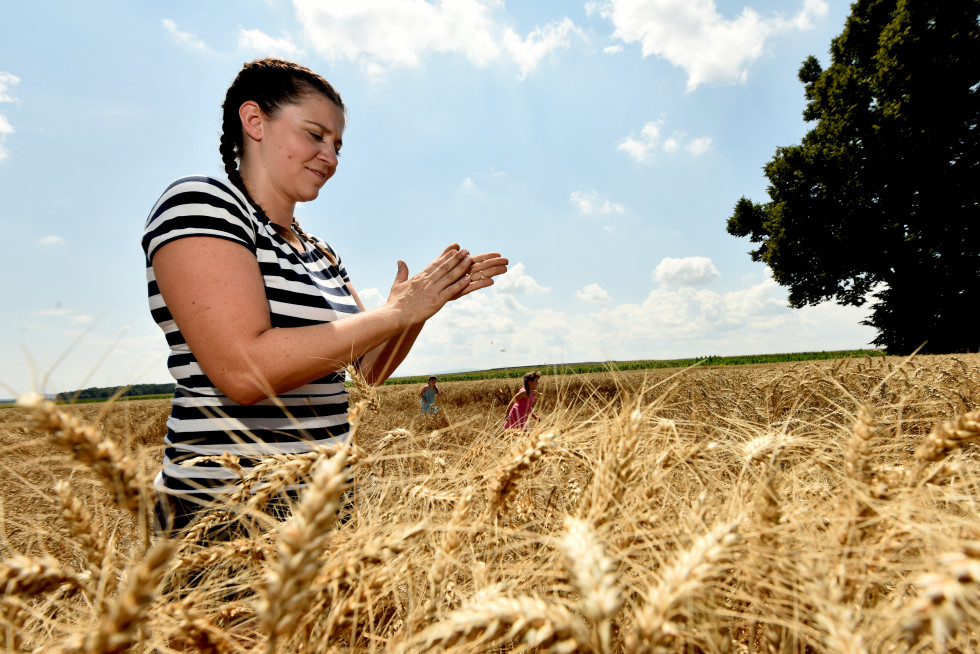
(105, 392)
(518, 372)
(578, 368)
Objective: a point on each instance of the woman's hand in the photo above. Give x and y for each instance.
(482, 271)
(418, 298)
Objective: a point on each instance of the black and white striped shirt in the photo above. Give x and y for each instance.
(302, 289)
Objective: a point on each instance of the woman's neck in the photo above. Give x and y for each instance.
(278, 210)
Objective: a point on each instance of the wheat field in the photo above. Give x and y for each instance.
(828, 506)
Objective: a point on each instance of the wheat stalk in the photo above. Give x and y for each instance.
(301, 540)
(117, 471)
(594, 576)
(506, 480)
(487, 620)
(689, 572)
(947, 436)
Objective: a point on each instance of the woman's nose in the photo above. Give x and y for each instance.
(328, 155)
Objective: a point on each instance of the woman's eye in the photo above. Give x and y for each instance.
(316, 137)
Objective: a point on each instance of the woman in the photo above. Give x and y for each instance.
(262, 318)
(519, 407)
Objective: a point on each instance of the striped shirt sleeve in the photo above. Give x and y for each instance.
(198, 206)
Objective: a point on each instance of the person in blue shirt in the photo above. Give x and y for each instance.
(428, 397)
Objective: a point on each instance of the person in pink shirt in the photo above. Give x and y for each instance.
(520, 406)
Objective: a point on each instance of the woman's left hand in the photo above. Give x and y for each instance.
(482, 271)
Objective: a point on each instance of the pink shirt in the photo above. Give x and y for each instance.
(518, 413)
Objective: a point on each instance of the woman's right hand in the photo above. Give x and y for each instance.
(419, 298)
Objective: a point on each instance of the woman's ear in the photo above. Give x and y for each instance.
(253, 119)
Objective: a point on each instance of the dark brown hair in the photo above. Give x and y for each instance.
(271, 84)
(528, 378)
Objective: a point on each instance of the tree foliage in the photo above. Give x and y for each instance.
(880, 199)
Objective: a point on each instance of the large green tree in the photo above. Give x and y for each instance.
(880, 198)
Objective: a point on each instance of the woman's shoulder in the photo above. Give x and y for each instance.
(204, 184)
(195, 193)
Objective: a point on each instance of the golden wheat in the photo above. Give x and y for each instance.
(812, 507)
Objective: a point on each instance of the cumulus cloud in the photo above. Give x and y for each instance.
(371, 297)
(490, 329)
(51, 240)
(612, 49)
(699, 146)
(686, 271)
(515, 280)
(7, 80)
(185, 39)
(589, 202)
(468, 184)
(259, 41)
(652, 139)
(384, 34)
(694, 36)
(528, 52)
(592, 293)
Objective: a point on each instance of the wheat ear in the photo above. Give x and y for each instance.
(121, 628)
(301, 541)
(594, 575)
(691, 570)
(23, 575)
(452, 538)
(534, 622)
(117, 471)
(506, 481)
(946, 600)
(82, 529)
(947, 436)
(857, 460)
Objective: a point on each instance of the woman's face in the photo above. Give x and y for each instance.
(533, 384)
(298, 149)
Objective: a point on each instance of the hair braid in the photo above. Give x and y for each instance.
(270, 83)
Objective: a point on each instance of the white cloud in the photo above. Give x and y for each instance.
(612, 49)
(51, 240)
(528, 52)
(699, 146)
(384, 34)
(651, 139)
(694, 36)
(371, 297)
(259, 41)
(489, 329)
(468, 184)
(185, 39)
(590, 202)
(6, 81)
(6, 129)
(687, 271)
(81, 319)
(592, 293)
(515, 280)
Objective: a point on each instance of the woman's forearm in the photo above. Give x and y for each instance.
(279, 360)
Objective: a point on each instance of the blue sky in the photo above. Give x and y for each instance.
(600, 146)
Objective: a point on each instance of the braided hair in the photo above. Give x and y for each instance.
(271, 84)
